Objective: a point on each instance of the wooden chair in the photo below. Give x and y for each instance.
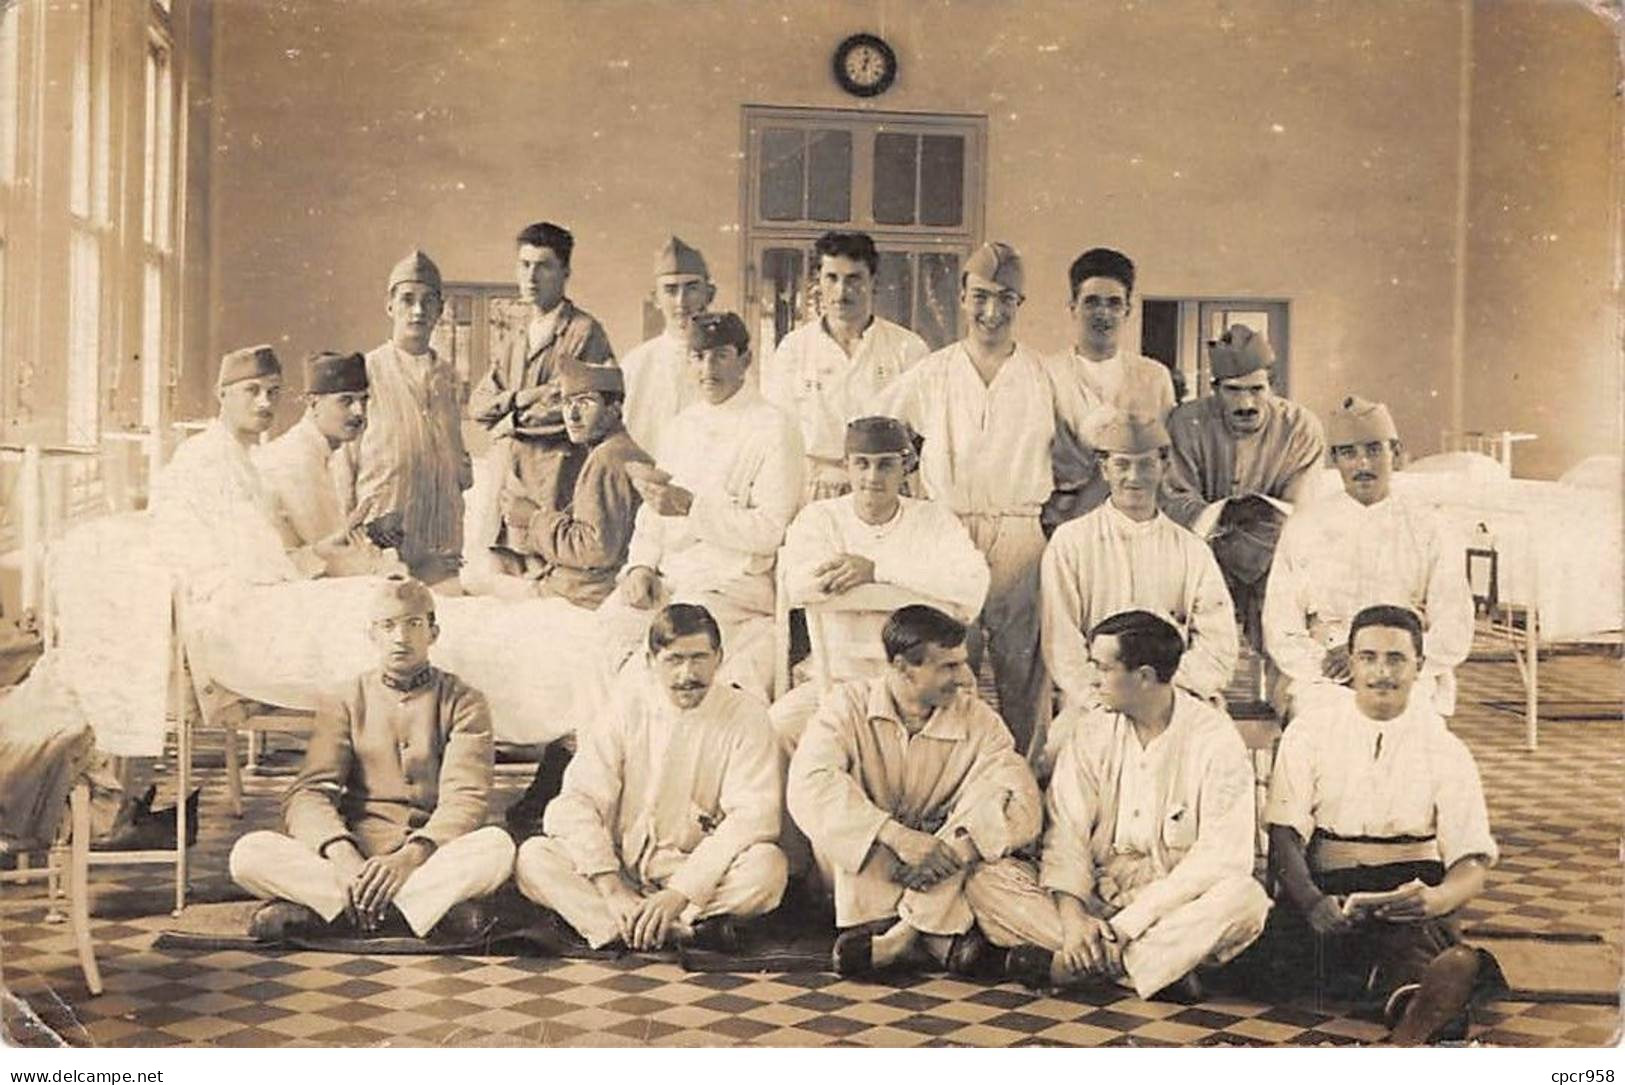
(253, 720)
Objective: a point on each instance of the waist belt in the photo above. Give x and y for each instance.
(1328, 851)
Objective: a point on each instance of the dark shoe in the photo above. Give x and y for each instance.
(278, 920)
(165, 816)
(1186, 990)
(1424, 1011)
(853, 954)
(968, 953)
(466, 923)
(1029, 966)
(139, 827)
(719, 934)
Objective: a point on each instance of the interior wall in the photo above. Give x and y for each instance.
(1270, 148)
(1543, 335)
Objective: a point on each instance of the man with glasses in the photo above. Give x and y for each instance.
(1105, 375)
(1242, 458)
(988, 409)
(1358, 548)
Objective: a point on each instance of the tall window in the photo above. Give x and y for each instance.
(912, 181)
(89, 228)
(157, 235)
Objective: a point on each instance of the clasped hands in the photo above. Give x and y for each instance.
(1089, 945)
(371, 885)
(644, 922)
(921, 860)
(844, 572)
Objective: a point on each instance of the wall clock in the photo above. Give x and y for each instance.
(865, 65)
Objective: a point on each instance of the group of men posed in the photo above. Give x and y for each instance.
(1060, 516)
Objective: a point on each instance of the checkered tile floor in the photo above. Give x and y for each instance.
(1556, 814)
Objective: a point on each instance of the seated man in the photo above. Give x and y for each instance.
(311, 487)
(384, 822)
(1126, 555)
(1242, 458)
(664, 829)
(907, 784)
(714, 509)
(1358, 548)
(1371, 794)
(1147, 862)
(861, 556)
(575, 550)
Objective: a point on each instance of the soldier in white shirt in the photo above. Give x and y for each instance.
(989, 409)
(1372, 794)
(834, 369)
(726, 482)
(1106, 375)
(658, 383)
(664, 829)
(1147, 862)
(1363, 546)
(1128, 555)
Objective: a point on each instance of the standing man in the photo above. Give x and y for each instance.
(518, 399)
(907, 784)
(989, 410)
(1358, 548)
(1147, 867)
(310, 482)
(715, 507)
(1104, 374)
(410, 461)
(664, 830)
(1242, 458)
(658, 385)
(1126, 555)
(1378, 836)
(834, 369)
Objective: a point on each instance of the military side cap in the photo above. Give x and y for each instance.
(578, 377)
(877, 435)
(414, 267)
(399, 595)
(1238, 352)
(677, 257)
(997, 262)
(709, 330)
(1357, 421)
(327, 371)
(247, 364)
(1125, 431)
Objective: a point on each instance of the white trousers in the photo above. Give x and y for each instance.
(276, 867)
(870, 895)
(1013, 909)
(1013, 546)
(752, 885)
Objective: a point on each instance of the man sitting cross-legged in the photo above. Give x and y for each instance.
(384, 821)
(1147, 863)
(1371, 794)
(906, 784)
(664, 829)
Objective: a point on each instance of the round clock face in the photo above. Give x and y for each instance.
(865, 65)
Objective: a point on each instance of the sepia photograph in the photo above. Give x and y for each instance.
(768, 524)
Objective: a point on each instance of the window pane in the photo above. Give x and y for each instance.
(8, 92)
(79, 152)
(784, 174)
(84, 337)
(936, 312)
(829, 175)
(894, 288)
(896, 167)
(942, 180)
(784, 295)
(144, 411)
(149, 196)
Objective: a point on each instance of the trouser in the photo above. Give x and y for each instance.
(1013, 909)
(1013, 545)
(869, 895)
(276, 867)
(790, 715)
(752, 885)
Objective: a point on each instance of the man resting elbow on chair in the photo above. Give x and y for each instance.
(384, 823)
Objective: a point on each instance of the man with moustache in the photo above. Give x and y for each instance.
(664, 829)
(658, 385)
(1242, 458)
(834, 369)
(1105, 375)
(988, 410)
(1363, 546)
(410, 463)
(518, 399)
(310, 485)
(1378, 836)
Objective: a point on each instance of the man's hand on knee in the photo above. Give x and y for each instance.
(623, 902)
(655, 919)
(382, 877)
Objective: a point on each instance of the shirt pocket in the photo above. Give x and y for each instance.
(1179, 829)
